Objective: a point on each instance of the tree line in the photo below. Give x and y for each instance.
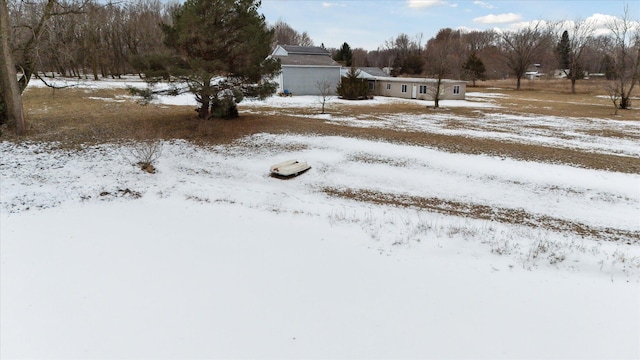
(94, 39)
(569, 49)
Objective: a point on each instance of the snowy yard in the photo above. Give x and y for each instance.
(212, 258)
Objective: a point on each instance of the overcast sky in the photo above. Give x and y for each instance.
(368, 23)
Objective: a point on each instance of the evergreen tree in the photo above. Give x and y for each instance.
(353, 87)
(570, 50)
(563, 51)
(396, 67)
(413, 64)
(219, 51)
(474, 68)
(344, 54)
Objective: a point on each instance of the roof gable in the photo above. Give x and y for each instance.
(279, 51)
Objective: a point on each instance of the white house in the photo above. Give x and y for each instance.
(310, 70)
(306, 70)
(381, 84)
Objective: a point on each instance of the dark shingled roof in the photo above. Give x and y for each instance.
(305, 50)
(306, 55)
(314, 60)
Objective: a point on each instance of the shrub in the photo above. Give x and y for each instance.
(352, 87)
(225, 104)
(144, 154)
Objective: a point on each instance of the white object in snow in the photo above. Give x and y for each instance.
(289, 168)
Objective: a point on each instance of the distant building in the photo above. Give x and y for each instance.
(305, 70)
(381, 84)
(533, 72)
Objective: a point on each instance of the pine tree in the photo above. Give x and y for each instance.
(474, 68)
(353, 87)
(413, 64)
(563, 51)
(566, 59)
(220, 50)
(344, 54)
(570, 49)
(396, 67)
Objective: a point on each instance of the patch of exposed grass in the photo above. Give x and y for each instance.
(485, 212)
(77, 116)
(554, 97)
(616, 134)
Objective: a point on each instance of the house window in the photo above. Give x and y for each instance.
(423, 89)
(388, 86)
(456, 89)
(404, 88)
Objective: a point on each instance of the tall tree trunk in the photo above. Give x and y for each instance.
(204, 98)
(8, 77)
(625, 102)
(203, 111)
(94, 63)
(436, 98)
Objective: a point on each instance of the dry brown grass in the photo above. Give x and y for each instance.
(484, 212)
(554, 97)
(75, 116)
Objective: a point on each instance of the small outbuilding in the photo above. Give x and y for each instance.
(306, 70)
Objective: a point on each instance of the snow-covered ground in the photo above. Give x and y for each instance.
(212, 258)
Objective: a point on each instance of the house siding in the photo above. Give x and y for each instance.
(392, 87)
(304, 80)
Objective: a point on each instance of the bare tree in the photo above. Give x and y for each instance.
(305, 39)
(11, 94)
(26, 47)
(359, 57)
(597, 55)
(626, 35)
(442, 57)
(476, 41)
(385, 54)
(521, 48)
(486, 46)
(286, 35)
(572, 47)
(613, 93)
(402, 47)
(401, 54)
(327, 90)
